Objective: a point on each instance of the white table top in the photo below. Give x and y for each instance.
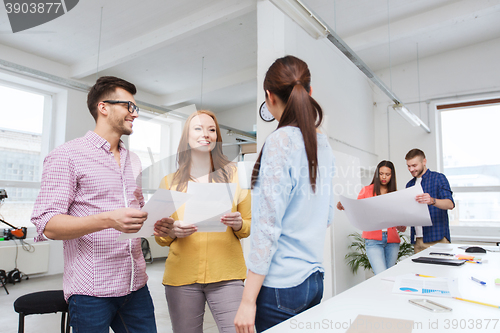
(374, 297)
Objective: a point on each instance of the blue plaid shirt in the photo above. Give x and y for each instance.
(437, 186)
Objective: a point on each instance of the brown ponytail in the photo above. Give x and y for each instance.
(289, 79)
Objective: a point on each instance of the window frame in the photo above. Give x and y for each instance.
(466, 233)
(46, 135)
(48, 127)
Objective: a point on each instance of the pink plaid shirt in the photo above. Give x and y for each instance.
(82, 178)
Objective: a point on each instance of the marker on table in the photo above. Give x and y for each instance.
(468, 300)
(478, 281)
(427, 276)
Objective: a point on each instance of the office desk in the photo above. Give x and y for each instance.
(374, 297)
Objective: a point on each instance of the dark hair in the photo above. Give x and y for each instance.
(391, 185)
(289, 79)
(414, 153)
(103, 89)
(221, 169)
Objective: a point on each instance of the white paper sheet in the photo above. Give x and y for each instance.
(423, 286)
(388, 210)
(245, 169)
(162, 204)
(209, 202)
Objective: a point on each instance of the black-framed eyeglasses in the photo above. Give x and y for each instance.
(131, 106)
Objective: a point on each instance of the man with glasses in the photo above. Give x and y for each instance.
(91, 193)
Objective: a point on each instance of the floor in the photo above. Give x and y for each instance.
(52, 322)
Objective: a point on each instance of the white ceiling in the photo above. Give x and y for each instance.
(435, 25)
(161, 45)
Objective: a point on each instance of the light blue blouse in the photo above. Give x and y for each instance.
(289, 220)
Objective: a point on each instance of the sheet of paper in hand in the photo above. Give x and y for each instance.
(388, 210)
(162, 204)
(208, 203)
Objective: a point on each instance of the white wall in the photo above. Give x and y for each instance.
(242, 118)
(78, 118)
(444, 78)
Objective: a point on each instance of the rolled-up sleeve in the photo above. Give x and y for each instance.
(57, 190)
(444, 190)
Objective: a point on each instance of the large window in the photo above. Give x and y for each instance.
(21, 134)
(471, 162)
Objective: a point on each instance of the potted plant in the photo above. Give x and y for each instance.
(357, 257)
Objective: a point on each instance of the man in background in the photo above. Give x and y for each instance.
(437, 195)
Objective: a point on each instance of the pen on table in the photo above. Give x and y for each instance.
(427, 276)
(473, 262)
(478, 281)
(468, 300)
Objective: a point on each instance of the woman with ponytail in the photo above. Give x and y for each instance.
(292, 204)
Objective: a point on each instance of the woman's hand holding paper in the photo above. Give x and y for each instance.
(181, 231)
(233, 220)
(163, 227)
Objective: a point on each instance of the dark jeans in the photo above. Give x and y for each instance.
(132, 313)
(275, 305)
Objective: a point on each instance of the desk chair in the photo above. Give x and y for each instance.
(42, 302)
(3, 280)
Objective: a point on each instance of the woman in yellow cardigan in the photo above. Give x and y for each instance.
(204, 266)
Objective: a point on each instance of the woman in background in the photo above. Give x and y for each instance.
(204, 266)
(382, 246)
(292, 204)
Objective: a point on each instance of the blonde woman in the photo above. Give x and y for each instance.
(204, 266)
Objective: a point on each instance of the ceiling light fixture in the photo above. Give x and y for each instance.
(410, 117)
(298, 12)
(313, 25)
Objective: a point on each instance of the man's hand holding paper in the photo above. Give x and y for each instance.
(161, 205)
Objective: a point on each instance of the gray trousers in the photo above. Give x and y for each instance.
(186, 305)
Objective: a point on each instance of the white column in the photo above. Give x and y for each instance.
(270, 46)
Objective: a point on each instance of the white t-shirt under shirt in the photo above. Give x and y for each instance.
(419, 231)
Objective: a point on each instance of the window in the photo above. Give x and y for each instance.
(21, 141)
(471, 162)
(155, 140)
